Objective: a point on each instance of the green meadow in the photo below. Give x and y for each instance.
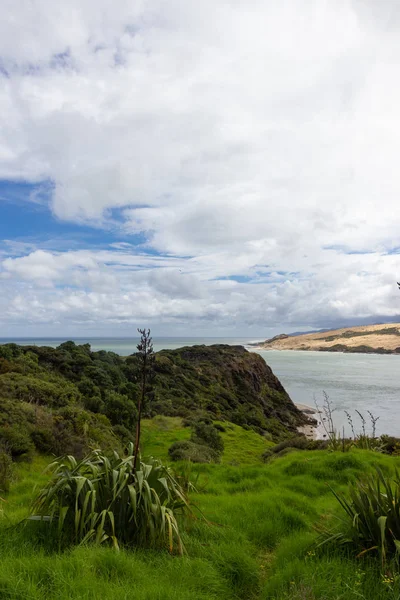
(258, 538)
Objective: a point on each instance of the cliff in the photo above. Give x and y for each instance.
(226, 382)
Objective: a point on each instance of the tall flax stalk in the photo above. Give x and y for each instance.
(146, 371)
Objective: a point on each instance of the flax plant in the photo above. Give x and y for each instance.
(106, 500)
(372, 523)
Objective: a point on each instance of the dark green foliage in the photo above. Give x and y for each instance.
(206, 434)
(362, 349)
(390, 445)
(16, 441)
(205, 445)
(295, 443)
(225, 382)
(6, 471)
(70, 399)
(35, 390)
(120, 409)
(219, 427)
(189, 451)
(44, 440)
(122, 433)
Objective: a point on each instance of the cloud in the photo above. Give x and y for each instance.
(237, 138)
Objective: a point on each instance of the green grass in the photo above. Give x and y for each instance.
(242, 446)
(259, 542)
(160, 433)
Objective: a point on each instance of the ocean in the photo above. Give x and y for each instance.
(364, 382)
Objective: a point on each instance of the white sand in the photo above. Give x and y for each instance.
(312, 432)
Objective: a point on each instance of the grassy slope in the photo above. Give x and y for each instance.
(242, 447)
(258, 545)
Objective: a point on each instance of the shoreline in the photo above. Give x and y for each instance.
(324, 351)
(312, 432)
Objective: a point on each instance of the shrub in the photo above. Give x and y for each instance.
(189, 451)
(32, 389)
(94, 404)
(219, 427)
(205, 433)
(390, 445)
(123, 434)
(295, 443)
(17, 442)
(372, 523)
(300, 443)
(5, 471)
(120, 410)
(107, 501)
(43, 439)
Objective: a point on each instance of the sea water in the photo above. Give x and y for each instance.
(363, 382)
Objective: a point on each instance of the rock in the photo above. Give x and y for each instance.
(225, 382)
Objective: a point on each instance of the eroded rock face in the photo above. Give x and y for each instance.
(226, 382)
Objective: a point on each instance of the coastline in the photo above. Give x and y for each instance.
(312, 432)
(378, 338)
(349, 350)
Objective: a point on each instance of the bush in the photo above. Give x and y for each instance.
(389, 445)
(105, 500)
(219, 427)
(5, 471)
(17, 442)
(372, 523)
(44, 440)
(120, 410)
(189, 451)
(205, 433)
(33, 390)
(94, 404)
(124, 434)
(300, 443)
(296, 443)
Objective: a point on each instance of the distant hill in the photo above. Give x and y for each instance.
(378, 339)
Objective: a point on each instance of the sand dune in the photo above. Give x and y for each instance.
(365, 338)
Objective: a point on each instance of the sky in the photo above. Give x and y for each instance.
(199, 168)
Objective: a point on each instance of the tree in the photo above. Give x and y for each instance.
(146, 358)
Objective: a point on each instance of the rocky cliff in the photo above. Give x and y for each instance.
(226, 382)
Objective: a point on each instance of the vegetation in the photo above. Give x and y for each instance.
(259, 541)
(241, 446)
(69, 400)
(261, 536)
(373, 517)
(112, 500)
(205, 444)
(361, 349)
(6, 471)
(350, 333)
(145, 358)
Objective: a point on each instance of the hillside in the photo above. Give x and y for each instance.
(259, 541)
(379, 339)
(68, 399)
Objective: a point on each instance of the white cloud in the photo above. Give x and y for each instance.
(250, 136)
